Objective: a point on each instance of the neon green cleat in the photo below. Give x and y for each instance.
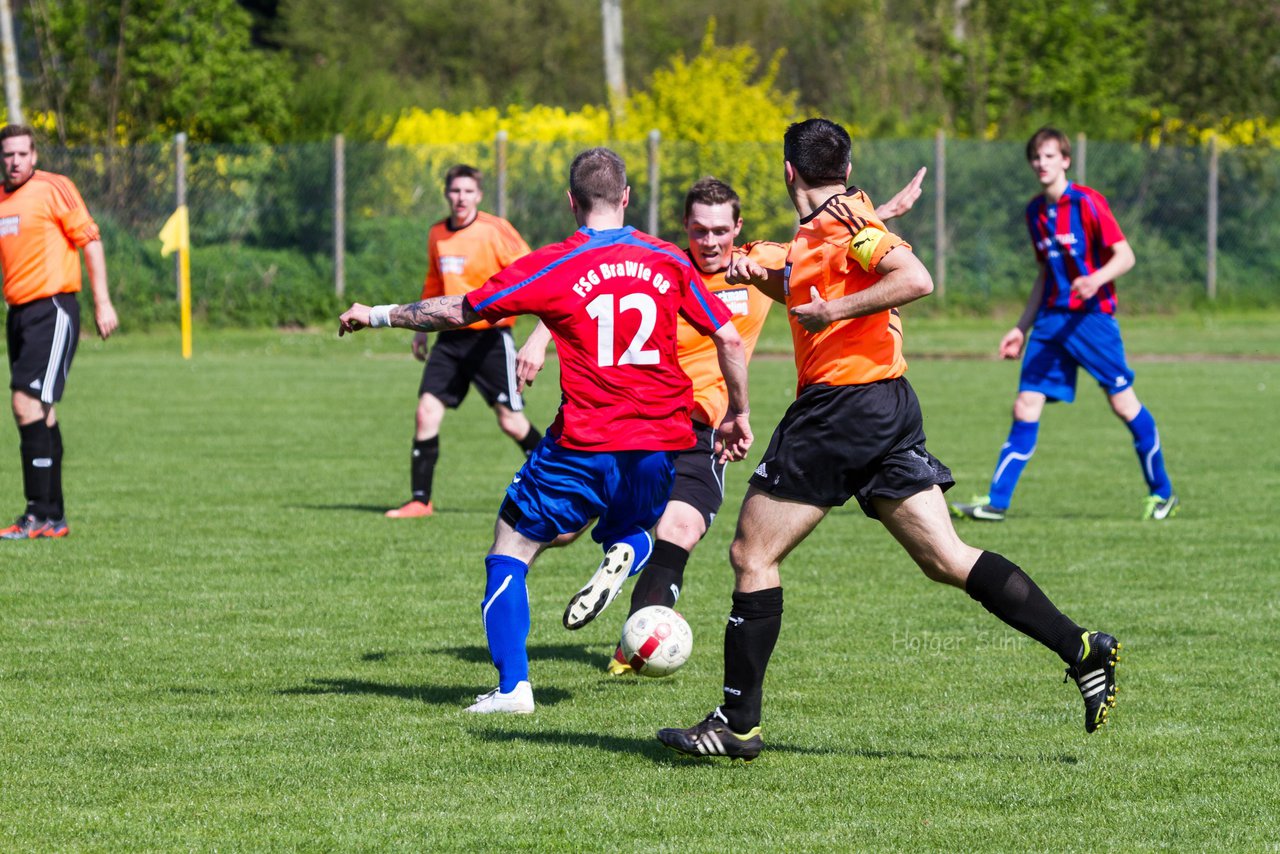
(1158, 509)
(980, 509)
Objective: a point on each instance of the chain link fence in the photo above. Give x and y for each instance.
(264, 229)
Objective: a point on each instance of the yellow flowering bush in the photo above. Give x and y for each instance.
(718, 113)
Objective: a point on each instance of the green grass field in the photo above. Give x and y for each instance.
(234, 650)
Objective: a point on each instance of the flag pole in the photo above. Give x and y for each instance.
(184, 290)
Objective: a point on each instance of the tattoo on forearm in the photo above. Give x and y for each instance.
(434, 314)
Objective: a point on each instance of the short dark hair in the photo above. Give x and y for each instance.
(818, 149)
(462, 170)
(10, 131)
(597, 176)
(712, 191)
(1045, 134)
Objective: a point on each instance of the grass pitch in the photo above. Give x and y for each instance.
(234, 650)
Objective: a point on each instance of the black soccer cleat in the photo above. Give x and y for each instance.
(1095, 675)
(713, 737)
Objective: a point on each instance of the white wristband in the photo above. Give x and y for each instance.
(380, 315)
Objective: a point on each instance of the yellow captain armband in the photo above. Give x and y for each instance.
(863, 246)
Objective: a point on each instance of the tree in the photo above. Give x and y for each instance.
(127, 71)
(1013, 65)
(1212, 62)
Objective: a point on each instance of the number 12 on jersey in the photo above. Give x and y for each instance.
(601, 309)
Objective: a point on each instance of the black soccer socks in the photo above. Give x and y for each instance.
(663, 575)
(749, 639)
(422, 467)
(1005, 590)
(35, 443)
(530, 440)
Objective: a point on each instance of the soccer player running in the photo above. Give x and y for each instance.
(463, 251)
(1071, 315)
(43, 226)
(609, 296)
(712, 222)
(855, 430)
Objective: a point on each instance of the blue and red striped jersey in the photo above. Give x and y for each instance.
(610, 299)
(1073, 238)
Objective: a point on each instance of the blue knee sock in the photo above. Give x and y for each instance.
(1014, 454)
(1146, 441)
(641, 543)
(505, 611)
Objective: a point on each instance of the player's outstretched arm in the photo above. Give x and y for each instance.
(905, 199)
(429, 315)
(903, 279)
(744, 271)
(733, 436)
(532, 356)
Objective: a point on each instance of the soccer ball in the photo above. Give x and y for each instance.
(656, 641)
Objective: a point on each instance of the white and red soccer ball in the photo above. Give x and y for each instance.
(656, 641)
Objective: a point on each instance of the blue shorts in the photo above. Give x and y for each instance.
(1061, 341)
(558, 491)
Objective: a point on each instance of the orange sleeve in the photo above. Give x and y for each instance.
(72, 214)
(513, 246)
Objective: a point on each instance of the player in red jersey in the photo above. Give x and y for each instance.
(43, 226)
(1070, 315)
(610, 296)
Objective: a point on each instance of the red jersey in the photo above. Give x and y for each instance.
(610, 300)
(697, 352)
(1073, 238)
(43, 225)
(459, 260)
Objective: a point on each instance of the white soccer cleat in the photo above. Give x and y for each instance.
(603, 587)
(519, 701)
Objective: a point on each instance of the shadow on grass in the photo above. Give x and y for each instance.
(438, 695)
(581, 653)
(1002, 758)
(649, 747)
(383, 508)
(359, 508)
(654, 749)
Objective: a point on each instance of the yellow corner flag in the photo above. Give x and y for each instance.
(176, 237)
(176, 233)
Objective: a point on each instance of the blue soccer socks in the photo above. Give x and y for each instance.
(1014, 455)
(1146, 441)
(641, 543)
(505, 611)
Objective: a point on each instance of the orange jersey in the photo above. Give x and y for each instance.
(836, 249)
(697, 352)
(461, 260)
(43, 224)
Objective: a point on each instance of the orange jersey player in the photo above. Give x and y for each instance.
(463, 251)
(43, 226)
(856, 430)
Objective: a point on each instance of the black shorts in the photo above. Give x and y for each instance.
(42, 337)
(700, 475)
(840, 442)
(463, 357)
